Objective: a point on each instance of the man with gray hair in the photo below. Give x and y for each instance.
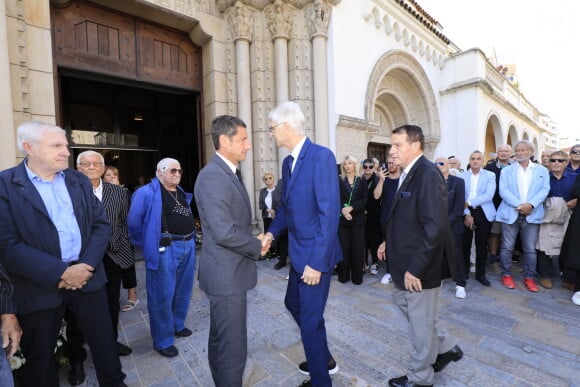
(53, 235)
(161, 224)
(523, 187)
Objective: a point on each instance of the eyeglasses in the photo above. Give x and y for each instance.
(575, 152)
(557, 160)
(173, 171)
(366, 166)
(268, 178)
(440, 163)
(271, 128)
(86, 164)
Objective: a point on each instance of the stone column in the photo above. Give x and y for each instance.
(318, 17)
(240, 20)
(279, 18)
(7, 135)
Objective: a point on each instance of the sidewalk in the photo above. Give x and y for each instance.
(509, 337)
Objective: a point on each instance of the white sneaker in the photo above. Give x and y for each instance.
(386, 279)
(576, 298)
(460, 292)
(374, 269)
(472, 268)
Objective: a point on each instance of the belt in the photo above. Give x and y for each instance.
(73, 263)
(183, 238)
(474, 209)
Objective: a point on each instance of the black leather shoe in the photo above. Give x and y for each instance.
(454, 354)
(279, 265)
(183, 333)
(76, 375)
(168, 352)
(403, 381)
(484, 281)
(123, 349)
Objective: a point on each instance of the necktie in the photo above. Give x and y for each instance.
(239, 174)
(401, 179)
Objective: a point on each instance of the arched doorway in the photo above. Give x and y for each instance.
(492, 136)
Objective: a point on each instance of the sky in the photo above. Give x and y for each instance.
(540, 37)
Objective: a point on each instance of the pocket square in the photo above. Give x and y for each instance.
(405, 194)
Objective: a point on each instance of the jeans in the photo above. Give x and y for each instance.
(169, 291)
(6, 379)
(528, 235)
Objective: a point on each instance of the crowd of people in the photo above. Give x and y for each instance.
(67, 240)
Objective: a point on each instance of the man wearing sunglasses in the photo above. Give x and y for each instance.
(574, 164)
(556, 217)
(161, 224)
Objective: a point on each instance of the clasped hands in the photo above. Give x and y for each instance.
(346, 212)
(75, 276)
(266, 240)
(525, 209)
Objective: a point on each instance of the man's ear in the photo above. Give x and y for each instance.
(27, 147)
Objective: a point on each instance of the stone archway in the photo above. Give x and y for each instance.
(492, 135)
(399, 92)
(512, 136)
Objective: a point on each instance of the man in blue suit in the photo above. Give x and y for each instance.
(479, 214)
(523, 187)
(310, 210)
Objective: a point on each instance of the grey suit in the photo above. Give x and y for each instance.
(227, 267)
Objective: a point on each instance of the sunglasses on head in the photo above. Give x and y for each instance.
(366, 166)
(557, 160)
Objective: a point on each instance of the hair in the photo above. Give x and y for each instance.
(368, 161)
(112, 168)
(89, 153)
(353, 160)
(32, 131)
(266, 175)
(414, 134)
(163, 164)
(474, 152)
(560, 153)
(290, 113)
(224, 125)
(574, 147)
(527, 143)
(376, 161)
(504, 146)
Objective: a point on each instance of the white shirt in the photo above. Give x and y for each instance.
(228, 163)
(268, 200)
(296, 152)
(525, 180)
(406, 170)
(99, 190)
(473, 186)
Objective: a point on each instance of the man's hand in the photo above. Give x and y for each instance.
(468, 221)
(11, 333)
(572, 203)
(266, 243)
(382, 251)
(525, 209)
(77, 276)
(382, 173)
(346, 212)
(412, 283)
(311, 276)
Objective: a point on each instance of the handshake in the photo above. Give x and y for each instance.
(266, 240)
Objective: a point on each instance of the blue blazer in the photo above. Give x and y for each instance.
(29, 244)
(310, 209)
(485, 190)
(508, 190)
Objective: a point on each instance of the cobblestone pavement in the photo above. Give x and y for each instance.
(509, 337)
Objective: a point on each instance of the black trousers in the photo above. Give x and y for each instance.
(482, 230)
(41, 331)
(352, 242)
(373, 238)
(76, 353)
(461, 272)
(129, 277)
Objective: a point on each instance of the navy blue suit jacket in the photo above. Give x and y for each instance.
(29, 243)
(455, 203)
(310, 209)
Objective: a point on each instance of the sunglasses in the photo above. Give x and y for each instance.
(365, 166)
(173, 171)
(575, 152)
(271, 128)
(440, 163)
(557, 160)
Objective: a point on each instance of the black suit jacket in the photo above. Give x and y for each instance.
(418, 236)
(276, 198)
(455, 203)
(116, 203)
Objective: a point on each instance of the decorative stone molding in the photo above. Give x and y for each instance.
(358, 124)
(430, 145)
(240, 19)
(279, 17)
(318, 16)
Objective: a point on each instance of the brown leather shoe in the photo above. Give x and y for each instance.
(568, 285)
(546, 283)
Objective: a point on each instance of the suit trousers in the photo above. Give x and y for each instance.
(352, 242)
(306, 304)
(227, 348)
(41, 330)
(169, 292)
(75, 339)
(482, 230)
(428, 336)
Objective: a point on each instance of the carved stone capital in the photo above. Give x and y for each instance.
(279, 18)
(318, 16)
(239, 17)
(357, 124)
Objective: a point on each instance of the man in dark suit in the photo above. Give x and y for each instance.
(455, 206)
(418, 244)
(10, 329)
(310, 211)
(119, 256)
(227, 265)
(53, 235)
